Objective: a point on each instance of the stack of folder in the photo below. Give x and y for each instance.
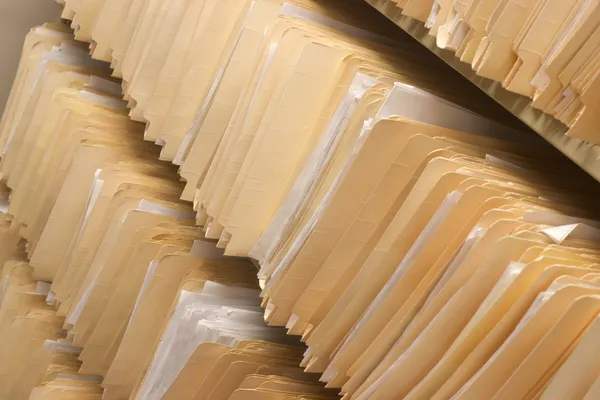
(98, 251)
(418, 242)
(259, 87)
(35, 349)
(544, 49)
(68, 387)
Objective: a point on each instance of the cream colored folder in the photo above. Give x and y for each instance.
(120, 304)
(578, 373)
(134, 354)
(153, 57)
(209, 49)
(110, 16)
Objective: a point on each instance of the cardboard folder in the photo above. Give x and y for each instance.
(157, 298)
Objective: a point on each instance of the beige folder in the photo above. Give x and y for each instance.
(207, 389)
(594, 390)
(153, 55)
(496, 262)
(536, 269)
(95, 290)
(65, 387)
(583, 26)
(392, 333)
(535, 42)
(110, 16)
(195, 370)
(578, 373)
(358, 203)
(399, 290)
(407, 220)
(70, 204)
(251, 108)
(135, 354)
(113, 182)
(151, 11)
(176, 65)
(85, 18)
(28, 130)
(540, 324)
(218, 109)
(287, 217)
(51, 173)
(112, 321)
(495, 56)
(36, 326)
(37, 42)
(95, 257)
(556, 345)
(38, 162)
(121, 41)
(210, 48)
(353, 230)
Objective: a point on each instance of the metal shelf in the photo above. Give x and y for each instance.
(584, 154)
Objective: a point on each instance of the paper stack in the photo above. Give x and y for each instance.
(543, 49)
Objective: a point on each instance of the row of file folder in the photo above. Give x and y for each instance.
(231, 108)
(544, 49)
(109, 289)
(416, 241)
